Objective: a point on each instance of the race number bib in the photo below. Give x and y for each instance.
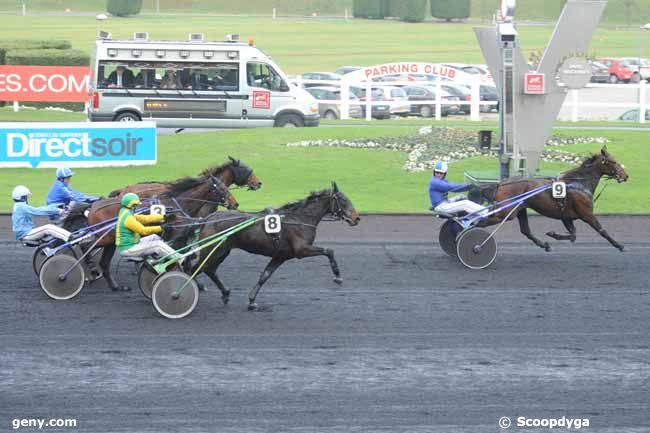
(157, 209)
(272, 224)
(559, 189)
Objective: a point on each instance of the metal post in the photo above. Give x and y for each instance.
(157, 6)
(506, 113)
(16, 107)
(24, 9)
(642, 105)
(574, 105)
(346, 14)
(274, 13)
(368, 100)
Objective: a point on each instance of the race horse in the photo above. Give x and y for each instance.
(581, 183)
(193, 192)
(232, 172)
(295, 240)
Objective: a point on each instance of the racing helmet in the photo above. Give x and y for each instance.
(63, 172)
(440, 167)
(130, 199)
(20, 193)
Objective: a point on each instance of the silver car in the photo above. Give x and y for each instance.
(332, 110)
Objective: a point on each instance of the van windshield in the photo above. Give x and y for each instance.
(166, 75)
(262, 75)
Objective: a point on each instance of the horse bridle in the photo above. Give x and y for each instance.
(241, 174)
(335, 207)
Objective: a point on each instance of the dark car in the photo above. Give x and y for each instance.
(599, 72)
(463, 92)
(428, 93)
(379, 111)
(320, 79)
(488, 93)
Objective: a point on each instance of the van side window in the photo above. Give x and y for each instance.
(262, 75)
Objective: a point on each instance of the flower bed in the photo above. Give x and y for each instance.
(431, 144)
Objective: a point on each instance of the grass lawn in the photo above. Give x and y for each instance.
(301, 45)
(373, 179)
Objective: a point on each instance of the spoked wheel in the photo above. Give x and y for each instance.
(169, 299)
(475, 250)
(447, 237)
(55, 279)
(39, 257)
(146, 277)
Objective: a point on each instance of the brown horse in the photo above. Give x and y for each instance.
(192, 193)
(581, 183)
(232, 172)
(295, 240)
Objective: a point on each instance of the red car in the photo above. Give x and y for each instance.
(620, 70)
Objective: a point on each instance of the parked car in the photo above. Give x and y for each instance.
(619, 70)
(396, 97)
(633, 116)
(347, 69)
(488, 93)
(428, 93)
(327, 78)
(599, 72)
(639, 67)
(379, 111)
(332, 110)
(463, 92)
(481, 71)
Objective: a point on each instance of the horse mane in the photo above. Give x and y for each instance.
(301, 204)
(181, 185)
(580, 170)
(215, 170)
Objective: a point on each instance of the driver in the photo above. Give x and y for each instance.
(439, 187)
(130, 227)
(62, 193)
(21, 218)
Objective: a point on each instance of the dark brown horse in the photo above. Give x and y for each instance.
(232, 172)
(295, 240)
(581, 183)
(191, 193)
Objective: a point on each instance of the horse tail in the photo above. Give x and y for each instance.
(114, 193)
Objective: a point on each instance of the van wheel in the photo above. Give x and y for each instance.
(330, 115)
(425, 111)
(289, 121)
(127, 116)
(613, 79)
(636, 77)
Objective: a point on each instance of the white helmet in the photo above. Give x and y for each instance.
(440, 167)
(63, 172)
(20, 193)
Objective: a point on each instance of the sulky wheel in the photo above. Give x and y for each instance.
(146, 277)
(474, 251)
(55, 279)
(447, 237)
(39, 257)
(169, 300)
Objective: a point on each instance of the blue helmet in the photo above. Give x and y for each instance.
(63, 172)
(440, 167)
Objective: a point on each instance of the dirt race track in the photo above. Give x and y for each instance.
(412, 341)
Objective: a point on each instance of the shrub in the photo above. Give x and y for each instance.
(371, 8)
(412, 11)
(122, 8)
(450, 9)
(6, 45)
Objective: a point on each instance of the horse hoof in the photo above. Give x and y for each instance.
(201, 287)
(547, 247)
(252, 306)
(550, 234)
(225, 298)
(121, 289)
(338, 280)
(621, 248)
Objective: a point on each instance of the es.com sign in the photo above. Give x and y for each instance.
(44, 83)
(77, 144)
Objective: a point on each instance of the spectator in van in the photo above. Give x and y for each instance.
(198, 81)
(171, 80)
(146, 78)
(225, 79)
(121, 77)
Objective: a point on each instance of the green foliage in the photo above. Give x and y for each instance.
(46, 57)
(450, 9)
(412, 11)
(371, 8)
(22, 44)
(122, 8)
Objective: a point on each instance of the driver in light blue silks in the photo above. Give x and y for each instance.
(439, 188)
(61, 193)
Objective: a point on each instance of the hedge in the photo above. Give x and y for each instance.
(49, 57)
(412, 11)
(6, 45)
(371, 8)
(450, 9)
(122, 8)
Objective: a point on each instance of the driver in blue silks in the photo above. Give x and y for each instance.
(439, 187)
(62, 193)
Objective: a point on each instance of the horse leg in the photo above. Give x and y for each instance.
(266, 274)
(570, 227)
(522, 216)
(595, 224)
(105, 264)
(211, 271)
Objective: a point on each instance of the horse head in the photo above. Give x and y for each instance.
(610, 167)
(341, 207)
(223, 195)
(243, 174)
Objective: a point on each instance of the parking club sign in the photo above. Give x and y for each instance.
(40, 145)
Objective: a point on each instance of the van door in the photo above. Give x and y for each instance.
(268, 92)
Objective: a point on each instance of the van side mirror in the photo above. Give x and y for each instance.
(284, 87)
